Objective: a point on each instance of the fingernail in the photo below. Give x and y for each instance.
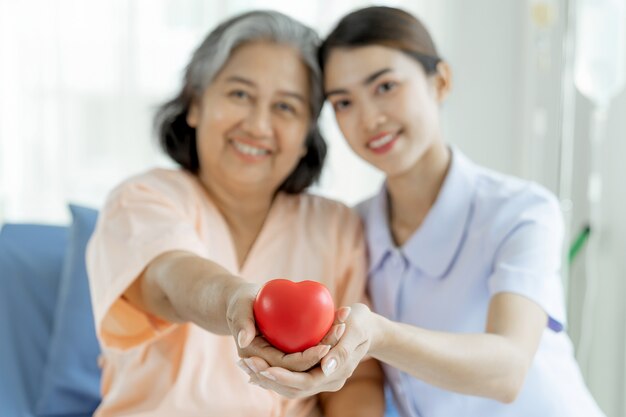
(244, 367)
(241, 337)
(252, 382)
(345, 313)
(324, 350)
(268, 375)
(250, 364)
(329, 367)
(341, 330)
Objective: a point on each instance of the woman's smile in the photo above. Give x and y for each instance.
(248, 151)
(383, 142)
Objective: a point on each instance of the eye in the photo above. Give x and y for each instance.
(239, 94)
(340, 105)
(386, 87)
(285, 107)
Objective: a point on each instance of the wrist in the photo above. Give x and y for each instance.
(379, 331)
(212, 296)
(232, 290)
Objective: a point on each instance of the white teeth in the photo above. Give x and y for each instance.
(381, 141)
(249, 150)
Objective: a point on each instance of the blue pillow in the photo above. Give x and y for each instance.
(71, 383)
(31, 258)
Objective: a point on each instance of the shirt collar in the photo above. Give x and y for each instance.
(433, 247)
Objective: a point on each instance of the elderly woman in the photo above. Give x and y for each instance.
(179, 255)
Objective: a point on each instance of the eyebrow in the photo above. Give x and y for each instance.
(368, 80)
(242, 80)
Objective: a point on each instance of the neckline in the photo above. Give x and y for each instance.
(229, 243)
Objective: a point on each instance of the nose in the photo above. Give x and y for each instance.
(371, 116)
(258, 122)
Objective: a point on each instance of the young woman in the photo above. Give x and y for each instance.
(179, 255)
(468, 311)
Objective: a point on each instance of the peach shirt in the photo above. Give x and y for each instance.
(155, 368)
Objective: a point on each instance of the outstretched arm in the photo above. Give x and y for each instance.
(491, 364)
(179, 286)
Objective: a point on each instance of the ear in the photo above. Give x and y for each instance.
(193, 114)
(443, 80)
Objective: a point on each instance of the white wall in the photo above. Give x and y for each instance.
(482, 41)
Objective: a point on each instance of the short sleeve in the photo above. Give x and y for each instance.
(528, 259)
(142, 218)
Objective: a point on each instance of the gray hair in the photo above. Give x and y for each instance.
(178, 139)
(271, 26)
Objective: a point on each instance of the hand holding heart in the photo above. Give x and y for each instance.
(239, 315)
(294, 316)
(359, 327)
(295, 320)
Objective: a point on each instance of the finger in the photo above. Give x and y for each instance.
(258, 347)
(245, 334)
(252, 366)
(303, 361)
(282, 390)
(336, 331)
(240, 316)
(334, 334)
(298, 361)
(302, 381)
(244, 367)
(351, 344)
(256, 364)
(355, 335)
(342, 314)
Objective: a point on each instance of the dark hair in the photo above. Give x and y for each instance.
(178, 139)
(384, 26)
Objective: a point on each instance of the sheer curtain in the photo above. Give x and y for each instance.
(79, 82)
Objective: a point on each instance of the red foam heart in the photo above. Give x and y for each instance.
(293, 316)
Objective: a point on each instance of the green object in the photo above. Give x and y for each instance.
(578, 243)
